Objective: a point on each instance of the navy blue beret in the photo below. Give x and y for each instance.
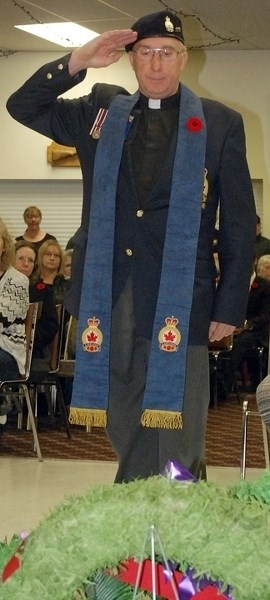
(159, 24)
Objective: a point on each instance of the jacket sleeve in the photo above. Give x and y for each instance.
(237, 227)
(37, 104)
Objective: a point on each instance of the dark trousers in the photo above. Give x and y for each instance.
(144, 451)
(8, 366)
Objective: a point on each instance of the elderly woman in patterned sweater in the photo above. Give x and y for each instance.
(47, 325)
(14, 302)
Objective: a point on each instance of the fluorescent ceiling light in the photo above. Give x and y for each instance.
(69, 35)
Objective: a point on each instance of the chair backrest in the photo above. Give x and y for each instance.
(70, 339)
(67, 362)
(30, 328)
(56, 343)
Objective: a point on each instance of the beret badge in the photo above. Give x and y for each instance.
(168, 25)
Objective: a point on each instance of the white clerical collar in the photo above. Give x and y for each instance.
(153, 103)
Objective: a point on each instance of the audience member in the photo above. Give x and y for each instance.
(263, 267)
(33, 233)
(255, 331)
(50, 268)
(262, 244)
(67, 259)
(14, 302)
(47, 324)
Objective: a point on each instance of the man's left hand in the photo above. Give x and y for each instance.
(217, 331)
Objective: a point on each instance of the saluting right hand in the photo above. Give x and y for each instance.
(102, 51)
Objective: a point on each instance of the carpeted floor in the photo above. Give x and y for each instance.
(223, 439)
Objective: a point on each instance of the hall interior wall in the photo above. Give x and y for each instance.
(239, 78)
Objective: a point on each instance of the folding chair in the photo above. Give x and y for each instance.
(246, 413)
(19, 387)
(220, 350)
(260, 355)
(48, 376)
(262, 397)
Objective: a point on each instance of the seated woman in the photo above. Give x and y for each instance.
(67, 260)
(33, 233)
(50, 269)
(263, 400)
(14, 303)
(47, 325)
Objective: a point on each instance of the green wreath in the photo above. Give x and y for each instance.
(222, 532)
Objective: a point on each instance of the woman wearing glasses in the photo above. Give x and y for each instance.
(47, 325)
(14, 302)
(50, 269)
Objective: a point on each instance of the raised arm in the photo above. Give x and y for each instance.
(38, 103)
(102, 51)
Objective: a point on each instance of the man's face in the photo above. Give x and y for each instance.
(158, 78)
(263, 271)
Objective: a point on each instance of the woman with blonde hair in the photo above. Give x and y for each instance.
(32, 217)
(14, 302)
(50, 269)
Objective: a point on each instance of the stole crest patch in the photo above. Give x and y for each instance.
(92, 336)
(169, 336)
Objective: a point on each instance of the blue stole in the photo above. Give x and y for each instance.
(165, 385)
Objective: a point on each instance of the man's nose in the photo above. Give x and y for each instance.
(156, 61)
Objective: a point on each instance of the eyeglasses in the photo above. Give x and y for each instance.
(52, 254)
(167, 54)
(25, 259)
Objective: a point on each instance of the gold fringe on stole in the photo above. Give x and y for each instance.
(88, 416)
(163, 419)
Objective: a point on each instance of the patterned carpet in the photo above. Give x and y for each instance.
(223, 439)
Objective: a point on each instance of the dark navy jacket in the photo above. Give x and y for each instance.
(69, 122)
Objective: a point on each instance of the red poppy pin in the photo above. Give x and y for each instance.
(194, 124)
(255, 285)
(40, 286)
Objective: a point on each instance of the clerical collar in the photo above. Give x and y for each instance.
(162, 104)
(154, 103)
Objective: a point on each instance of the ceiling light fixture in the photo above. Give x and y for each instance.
(67, 34)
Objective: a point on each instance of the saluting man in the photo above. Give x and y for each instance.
(156, 166)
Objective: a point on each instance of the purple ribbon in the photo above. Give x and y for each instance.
(191, 584)
(174, 470)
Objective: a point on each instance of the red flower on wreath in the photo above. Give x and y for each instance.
(40, 286)
(194, 124)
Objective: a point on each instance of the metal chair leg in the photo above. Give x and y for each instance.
(32, 422)
(245, 416)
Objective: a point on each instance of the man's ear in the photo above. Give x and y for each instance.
(184, 59)
(131, 56)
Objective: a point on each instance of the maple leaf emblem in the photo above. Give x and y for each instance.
(170, 336)
(91, 337)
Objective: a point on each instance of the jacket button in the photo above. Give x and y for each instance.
(60, 67)
(139, 213)
(49, 76)
(129, 252)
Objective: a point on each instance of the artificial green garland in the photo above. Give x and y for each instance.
(225, 533)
